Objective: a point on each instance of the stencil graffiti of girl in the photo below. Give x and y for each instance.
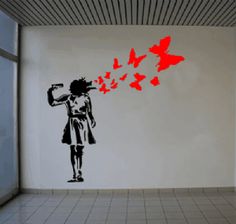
(78, 128)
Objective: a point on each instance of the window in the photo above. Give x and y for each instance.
(8, 111)
(8, 40)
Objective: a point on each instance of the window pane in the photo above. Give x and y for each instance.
(8, 33)
(8, 152)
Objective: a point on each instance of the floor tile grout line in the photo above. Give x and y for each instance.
(162, 207)
(145, 210)
(233, 206)
(73, 208)
(22, 204)
(199, 209)
(127, 206)
(37, 209)
(181, 207)
(213, 199)
(29, 200)
(55, 208)
(215, 207)
(86, 220)
(18, 211)
(109, 209)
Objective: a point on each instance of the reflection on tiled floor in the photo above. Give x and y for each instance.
(122, 207)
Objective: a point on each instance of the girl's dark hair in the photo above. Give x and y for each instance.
(80, 86)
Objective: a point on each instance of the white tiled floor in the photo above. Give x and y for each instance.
(127, 207)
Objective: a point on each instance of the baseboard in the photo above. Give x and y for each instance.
(110, 191)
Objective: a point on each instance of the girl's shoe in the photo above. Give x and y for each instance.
(80, 178)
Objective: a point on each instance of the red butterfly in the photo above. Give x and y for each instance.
(116, 64)
(135, 84)
(99, 80)
(133, 59)
(155, 81)
(161, 50)
(114, 84)
(123, 77)
(104, 89)
(108, 75)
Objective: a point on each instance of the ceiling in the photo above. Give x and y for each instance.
(122, 12)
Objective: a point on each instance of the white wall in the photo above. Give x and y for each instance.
(235, 110)
(180, 134)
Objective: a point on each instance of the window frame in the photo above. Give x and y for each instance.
(16, 109)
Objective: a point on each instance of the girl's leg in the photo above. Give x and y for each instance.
(79, 158)
(73, 160)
